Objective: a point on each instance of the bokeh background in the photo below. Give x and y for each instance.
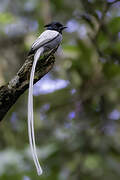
(77, 104)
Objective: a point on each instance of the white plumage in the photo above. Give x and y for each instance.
(46, 37)
(47, 41)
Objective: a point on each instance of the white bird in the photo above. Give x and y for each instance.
(47, 41)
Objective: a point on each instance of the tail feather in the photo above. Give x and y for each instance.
(30, 113)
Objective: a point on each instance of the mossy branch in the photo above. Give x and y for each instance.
(10, 92)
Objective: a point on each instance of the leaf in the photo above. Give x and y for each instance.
(111, 70)
(114, 25)
(6, 18)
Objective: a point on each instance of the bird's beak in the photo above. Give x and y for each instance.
(64, 27)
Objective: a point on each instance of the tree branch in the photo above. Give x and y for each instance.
(10, 92)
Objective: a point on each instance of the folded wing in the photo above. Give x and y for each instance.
(44, 38)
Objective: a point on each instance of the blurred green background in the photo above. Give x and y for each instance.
(77, 104)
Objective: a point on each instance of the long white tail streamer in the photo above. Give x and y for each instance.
(30, 113)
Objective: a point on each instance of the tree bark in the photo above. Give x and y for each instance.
(10, 92)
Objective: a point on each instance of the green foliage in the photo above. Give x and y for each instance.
(6, 18)
(77, 126)
(114, 25)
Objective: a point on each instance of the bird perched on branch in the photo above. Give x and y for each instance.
(47, 41)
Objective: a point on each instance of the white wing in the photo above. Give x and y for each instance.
(44, 38)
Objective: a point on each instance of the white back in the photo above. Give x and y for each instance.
(46, 36)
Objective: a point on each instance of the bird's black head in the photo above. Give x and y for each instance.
(55, 26)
